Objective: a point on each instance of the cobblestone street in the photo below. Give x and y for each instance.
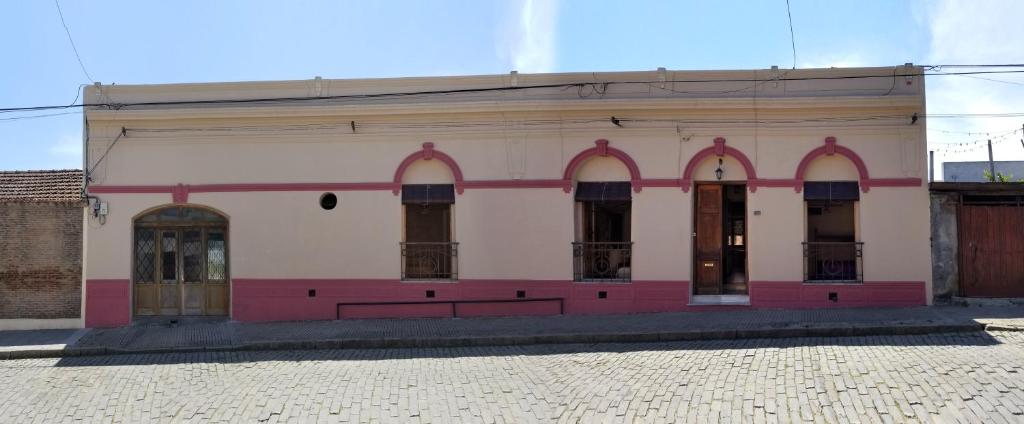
(967, 377)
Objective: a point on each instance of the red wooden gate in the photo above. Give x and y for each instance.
(991, 250)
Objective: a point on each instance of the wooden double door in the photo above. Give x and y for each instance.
(720, 256)
(181, 271)
(991, 247)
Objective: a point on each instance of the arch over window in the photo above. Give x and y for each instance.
(182, 215)
(601, 149)
(428, 153)
(829, 149)
(720, 149)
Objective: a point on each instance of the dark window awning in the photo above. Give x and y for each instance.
(604, 191)
(421, 194)
(831, 190)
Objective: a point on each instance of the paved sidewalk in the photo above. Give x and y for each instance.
(204, 335)
(22, 340)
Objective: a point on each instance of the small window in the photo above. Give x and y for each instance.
(831, 252)
(603, 250)
(428, 252)
(328, 201)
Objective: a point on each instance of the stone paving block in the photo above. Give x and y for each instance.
(900, 378)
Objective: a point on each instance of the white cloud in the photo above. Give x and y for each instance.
(66, 153)
(975, 32)
(528, 42)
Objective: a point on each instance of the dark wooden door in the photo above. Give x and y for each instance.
(708, 240)
(992, 250)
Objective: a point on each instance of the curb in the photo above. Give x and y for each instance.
(1003, 327)
(522, 340)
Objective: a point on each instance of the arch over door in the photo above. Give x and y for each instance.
(179, 264)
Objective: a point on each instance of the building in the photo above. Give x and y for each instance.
(41, 249)
(977, 239)
(974, 172)
(508, 194)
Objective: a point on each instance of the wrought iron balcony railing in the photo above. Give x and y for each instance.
(602, 261)
(430, 261)
(833, 262)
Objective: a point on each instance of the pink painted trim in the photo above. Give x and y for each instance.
(896, 182)
(127, 189)
(179, 193)
(829, 149)
(799, 295)
(428, 153)
(719, 149)
(478, 184)
(776, 182)
(660, 182)
(286, 299)
(107, 303)
(247, 187)
(514, 184)
(601, 149)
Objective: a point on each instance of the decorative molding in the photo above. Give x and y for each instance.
(129, 189)
(482, 184)
(776, 182)
(867, 103)
(179, 193)
(831, 149)
(719, 149)
(660, 182)
(601, 149)
(896, 182)
(428, 153)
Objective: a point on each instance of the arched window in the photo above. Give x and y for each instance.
(180, 264)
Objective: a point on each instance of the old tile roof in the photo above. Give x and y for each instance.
(63, 185)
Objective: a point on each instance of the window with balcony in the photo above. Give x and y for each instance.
(429, 252)
(603, 250)
(832, 253)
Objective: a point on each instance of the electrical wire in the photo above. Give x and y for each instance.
(88, 172)
(72, 41)
(578, 85)
(792, 39)
(45, 115)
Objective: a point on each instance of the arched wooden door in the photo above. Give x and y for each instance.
(180, 264)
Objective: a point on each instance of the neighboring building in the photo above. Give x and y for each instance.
(41, 217)
(974, 172)
(601, 192)
(977, 239)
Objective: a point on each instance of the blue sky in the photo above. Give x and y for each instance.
(183, 41)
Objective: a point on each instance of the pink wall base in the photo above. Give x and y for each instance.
(283, 299)
(107, 303)
(797, 295)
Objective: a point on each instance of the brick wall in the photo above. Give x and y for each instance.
(40, 260)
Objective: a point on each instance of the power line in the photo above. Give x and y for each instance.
(45, 115)
(985, 133)
(985, 65)
(71, 40)
(484, 90)
(792, 39)
(88, 172)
